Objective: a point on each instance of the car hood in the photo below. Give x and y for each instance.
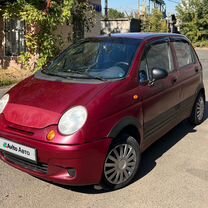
(39, 103)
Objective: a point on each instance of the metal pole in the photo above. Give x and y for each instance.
(106, 8)
(139, 8)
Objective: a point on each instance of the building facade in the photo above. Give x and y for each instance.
(12, 36)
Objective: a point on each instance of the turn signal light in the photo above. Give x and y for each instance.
(136, 97)
(51, 135)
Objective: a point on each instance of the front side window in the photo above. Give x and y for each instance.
(184, 53)
(156, 56)
(14, 37)
(105, 58)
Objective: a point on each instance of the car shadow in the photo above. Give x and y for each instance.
(160, 147)
(151, 155)
(164, 144)
(206, 111)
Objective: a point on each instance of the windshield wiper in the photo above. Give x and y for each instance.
(96, 77)
(87, 76)
(55, 75)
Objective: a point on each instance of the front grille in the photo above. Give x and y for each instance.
(11, 128)
(40, 168)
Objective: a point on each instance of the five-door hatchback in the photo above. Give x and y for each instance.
(90, 113)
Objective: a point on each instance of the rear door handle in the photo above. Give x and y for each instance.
(174, 80)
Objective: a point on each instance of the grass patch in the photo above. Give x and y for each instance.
(6, 82)
(201, 44)
(12, 76)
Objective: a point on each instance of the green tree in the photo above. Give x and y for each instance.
(6, 2)
(42, 19)
(155, 22)
(193, 15)
(114, 14)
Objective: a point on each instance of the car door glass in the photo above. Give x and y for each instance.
(184, 53)
(157, 56)
(143, 73)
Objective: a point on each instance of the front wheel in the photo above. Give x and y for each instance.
(198, 112)
(122, 162)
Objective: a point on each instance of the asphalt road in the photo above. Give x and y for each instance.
(174, 173)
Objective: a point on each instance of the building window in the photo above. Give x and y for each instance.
(14, 37)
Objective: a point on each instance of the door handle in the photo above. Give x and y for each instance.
(174, 80)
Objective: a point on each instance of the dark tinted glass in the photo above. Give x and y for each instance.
(159, 56)
(156, 56)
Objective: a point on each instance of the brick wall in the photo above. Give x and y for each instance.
(121, 25)
(95, 31)
(65, 32)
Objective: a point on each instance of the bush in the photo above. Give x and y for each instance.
(42, 20)
(155, 22)
(201, 44)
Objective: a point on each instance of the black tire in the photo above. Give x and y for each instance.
(198, 112)
(127, 163)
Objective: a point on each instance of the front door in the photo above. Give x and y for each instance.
(160, 99)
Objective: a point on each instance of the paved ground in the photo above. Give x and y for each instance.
(174, 174)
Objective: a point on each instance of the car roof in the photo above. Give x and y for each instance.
(143, 36)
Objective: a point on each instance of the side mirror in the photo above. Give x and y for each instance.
(158, 74)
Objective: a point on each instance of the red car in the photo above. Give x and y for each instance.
(89, 114)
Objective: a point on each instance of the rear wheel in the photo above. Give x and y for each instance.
(122, 162)
(198, 112)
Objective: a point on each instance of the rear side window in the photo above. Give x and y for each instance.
(184, 53)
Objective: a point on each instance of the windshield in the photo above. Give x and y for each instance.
(102, 59)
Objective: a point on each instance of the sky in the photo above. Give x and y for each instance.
(132, 5)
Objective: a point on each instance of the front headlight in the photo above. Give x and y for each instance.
(72, 120)
(3, 102)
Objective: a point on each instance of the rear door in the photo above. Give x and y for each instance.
(190, 76)
(160, 98)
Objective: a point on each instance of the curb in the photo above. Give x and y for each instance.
(201, 49)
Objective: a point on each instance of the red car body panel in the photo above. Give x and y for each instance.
(30, 116)
(45, 94)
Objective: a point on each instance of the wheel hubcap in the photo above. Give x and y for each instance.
(200, 107)
(120, 164)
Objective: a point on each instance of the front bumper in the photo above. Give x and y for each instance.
(54, 161)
